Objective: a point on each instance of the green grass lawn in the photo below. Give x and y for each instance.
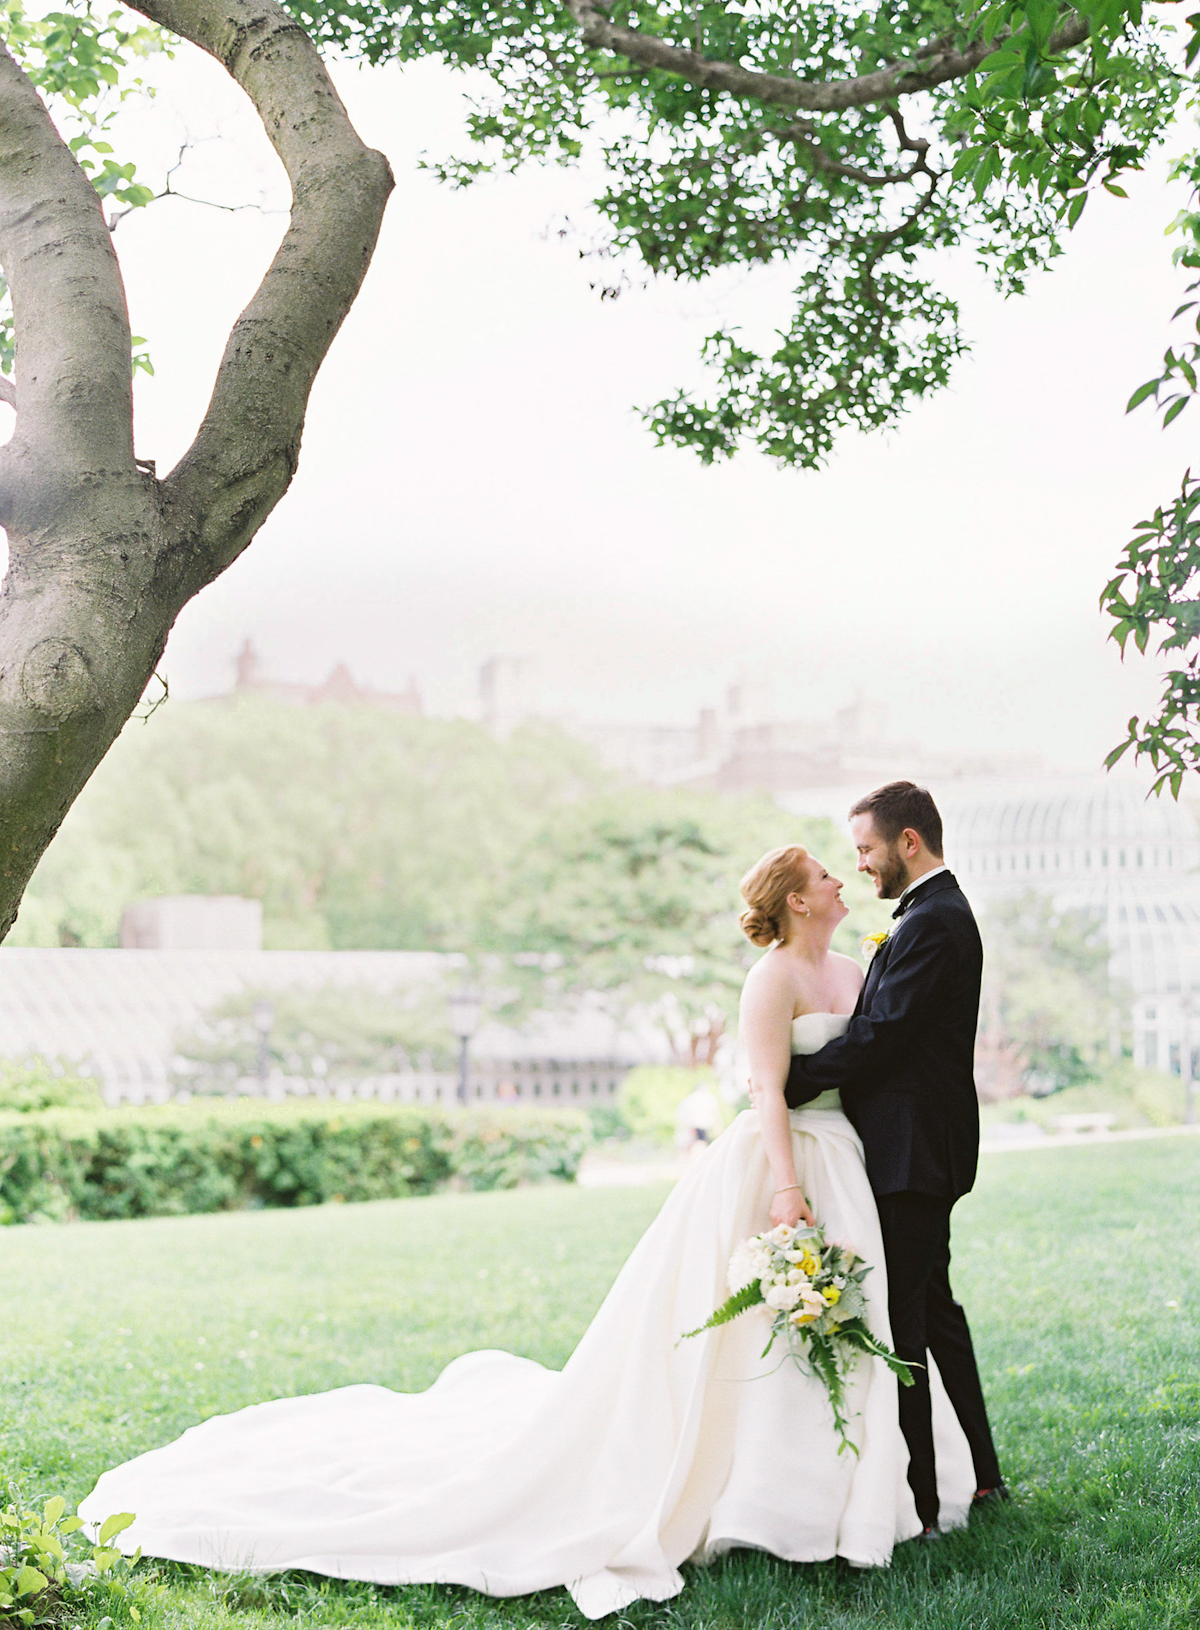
(1080, 1269)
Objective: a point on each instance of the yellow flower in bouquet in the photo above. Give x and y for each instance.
(812, 1289)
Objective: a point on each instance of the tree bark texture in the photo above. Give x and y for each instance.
(102, 554)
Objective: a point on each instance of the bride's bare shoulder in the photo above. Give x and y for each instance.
(770, 979)
(849, 972)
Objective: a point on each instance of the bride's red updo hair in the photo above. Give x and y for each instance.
(765, 889)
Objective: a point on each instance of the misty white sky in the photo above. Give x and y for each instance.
(474, 479)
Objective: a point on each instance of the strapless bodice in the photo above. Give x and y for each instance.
(810, 1032)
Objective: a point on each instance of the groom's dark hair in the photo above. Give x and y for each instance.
(903, 804)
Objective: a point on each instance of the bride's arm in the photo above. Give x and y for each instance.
(766, 1031)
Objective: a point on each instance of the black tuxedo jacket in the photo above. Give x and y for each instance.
(905, 1067)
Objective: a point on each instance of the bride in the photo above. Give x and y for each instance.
(645, 1451)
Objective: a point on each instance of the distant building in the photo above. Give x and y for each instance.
(503, 694)
(743, 746)
(339, 687)
(1133, 863)
(192, 922)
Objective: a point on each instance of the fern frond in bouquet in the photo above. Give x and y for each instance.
(814, 1288)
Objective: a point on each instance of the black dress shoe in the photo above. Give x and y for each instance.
(993, 1496)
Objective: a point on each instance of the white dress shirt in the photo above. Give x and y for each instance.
(924, 878)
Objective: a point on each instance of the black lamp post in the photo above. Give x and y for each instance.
(466, 1010)
(264, 1020)
(1185, 1061)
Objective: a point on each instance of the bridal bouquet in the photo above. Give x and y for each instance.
(814, 1288)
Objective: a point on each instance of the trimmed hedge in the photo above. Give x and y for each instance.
(217, 1155)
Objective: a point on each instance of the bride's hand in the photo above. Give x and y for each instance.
(789, 1207)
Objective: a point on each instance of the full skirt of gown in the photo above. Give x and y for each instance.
(645, 1451)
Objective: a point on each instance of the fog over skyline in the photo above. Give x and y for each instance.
(473, 478)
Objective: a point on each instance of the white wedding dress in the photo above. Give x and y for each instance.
(642, 1453)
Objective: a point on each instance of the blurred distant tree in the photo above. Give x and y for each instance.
(637, 896)
(331, 1033)
(1048, 1009)
(355, 827)
(103, 554)
(359, 828)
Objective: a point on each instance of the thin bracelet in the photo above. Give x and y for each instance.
(789, 1188)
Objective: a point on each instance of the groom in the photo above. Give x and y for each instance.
(904, 1069)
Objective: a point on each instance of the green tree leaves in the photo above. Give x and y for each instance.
(807, 166)
(354, 826)
(636, 895)
(1047, 1007)
(1154, 592)
(82, 62)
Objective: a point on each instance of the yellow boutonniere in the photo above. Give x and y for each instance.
(872, 942)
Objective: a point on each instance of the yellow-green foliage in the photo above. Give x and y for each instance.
(31, 1084)
(651, 1094)
(47, 1563)
(1131, 1096)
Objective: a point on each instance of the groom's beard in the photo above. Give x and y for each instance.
(893, 876)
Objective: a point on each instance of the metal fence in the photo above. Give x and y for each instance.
(538, 1083)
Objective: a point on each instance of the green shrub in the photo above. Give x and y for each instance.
(608, 1123)
(650, 1095)
(1132, 1096)
(172, 1159)
(505, 1147)
(37, 1083)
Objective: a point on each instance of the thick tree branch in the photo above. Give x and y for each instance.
(102, 556)
(943, 62)
(246, 450)
(72, 327)
(8, 391)
(81, 520)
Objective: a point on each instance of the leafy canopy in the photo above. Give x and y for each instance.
(853, 139)
(84, 63)
(784, 155)
(635, 894)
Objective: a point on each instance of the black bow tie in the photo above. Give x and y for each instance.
(909, 898)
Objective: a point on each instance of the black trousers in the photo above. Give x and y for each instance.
(926, 1319)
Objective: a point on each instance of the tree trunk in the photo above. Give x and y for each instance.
(102, 554)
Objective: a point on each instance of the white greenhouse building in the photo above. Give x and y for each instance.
(1104, 848)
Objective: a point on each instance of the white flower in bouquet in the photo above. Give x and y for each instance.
(745, 1266)
(782, 1297)
(814, 1289)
